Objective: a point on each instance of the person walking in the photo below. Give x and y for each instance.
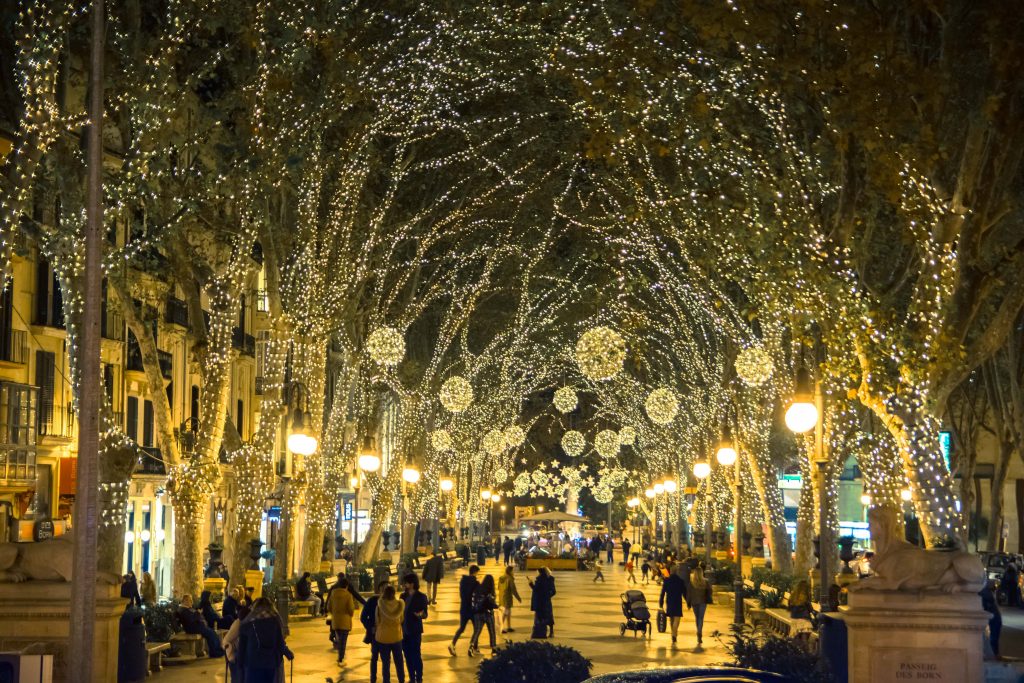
(388, 632)
(484, 604)
(507, 547)
(625, 550)
(467, 586)
(540, 604)
(698, 597)
(506, 593)
(130, 589)
(261, 643)
(304, 591)
(433, 572)
(412, 626)
(598, 573)
(995, 622)
(1010, 583)
(341, 606)
(609, 547)
(147, 589)
(630, 576)
(673, 592)
(645, 571)
(231, 643)
(497, 549)
(368, 617)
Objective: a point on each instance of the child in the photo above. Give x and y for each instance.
(630, 576)
(597, 570)
(645, 569)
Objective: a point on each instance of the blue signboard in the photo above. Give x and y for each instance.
(348, 512)
(946, 447)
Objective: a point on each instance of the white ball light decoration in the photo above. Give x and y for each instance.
(603, 494)
(456, 394)
(627, 436)
(521, 484)
(701, 469)
(801, 416)
(573, 443)
(410, 475)
(441, 440)
(726, 455)
(607, 443)
(662, 406)
(670, 486)
(754, 366)
(493, 442)
(500, 475)
(600, 353)
(566, 400)
(514, 436)
(369, 462)
(386, 345)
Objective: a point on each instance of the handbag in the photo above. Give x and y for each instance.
(662, 621)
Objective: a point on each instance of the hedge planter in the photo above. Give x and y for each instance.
(552, 563)
(534, 661)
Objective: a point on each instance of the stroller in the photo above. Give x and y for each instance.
(638, 617)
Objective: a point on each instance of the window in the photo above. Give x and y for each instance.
(45, 381)
(133, 418)
(240, 421)
(108, 383)
(6, 322)
(17, 432)
(49, 300)
(147, 424)
(194, 407)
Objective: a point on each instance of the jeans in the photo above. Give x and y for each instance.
(625, 556)
(374, 658)
(340, 642)
(479, 621)
(611, 554)
(213, 645)
(432, 591)
(411, 648)
(698, 615)
(387, 652)
(508, 556)
(463, 620)
(995, 626)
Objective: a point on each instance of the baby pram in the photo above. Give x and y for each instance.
(638, 617)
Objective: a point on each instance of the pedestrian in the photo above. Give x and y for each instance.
(229, 609)
(673, 592)
(412, 627)
(130, 589)
(598, 574)
(506, 592)
(304, 591)
(625, 550)
(368, 617)
(540, 603)
(995, 622)
(147, 589)
(388, 632)
(261, 643)
(467, 586)
(630, 576)
(507, 547)
(210, 615)
(610, 549)
(518, 543)
(481, 554)
(248, 599)
(484, 604)
(699, 597)
(1010, 583)
(230, 645)
(433, 572)
(497, 549)
(645, 570)
(192, 623)
(341, 606)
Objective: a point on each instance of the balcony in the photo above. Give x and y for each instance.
(14, 349)
(242, 342)
(151, 463)
(134, 363)
(176, 312)
(56, 421)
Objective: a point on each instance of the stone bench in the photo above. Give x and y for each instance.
(781, 623)
(302, 608)
(155, 652)
(187, 647)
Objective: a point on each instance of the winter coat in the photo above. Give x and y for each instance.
(341, 607)
(303, 590)
(673, 591)
(368, 617)
(540, 601)
(390, 614)
(507, 591)
(467, 586)
(261, 643)
(433, 570)
(230, 641)
(698, 596)
(411, 623)
(483, 602)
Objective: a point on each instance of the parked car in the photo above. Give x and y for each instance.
(704, 674)
(995, 565)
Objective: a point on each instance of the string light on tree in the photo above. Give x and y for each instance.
(493, 442)
(441, 440)
(600, 353)
(514, 436)
(607, 443)
(627, 436)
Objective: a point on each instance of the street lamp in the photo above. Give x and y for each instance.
(410, 477)
(726, 454)
(670, 485)
(301, 439)
(802, 414)
(727, 457)
(701, 469)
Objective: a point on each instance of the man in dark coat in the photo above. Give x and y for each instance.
(433, 572)
(507, 547)
(412, 627)
(540, 601)
(1010, 583)
(192, 622)
(518, 543)
(609, 546)
(467, 586)
(625, 550)
(673, 592)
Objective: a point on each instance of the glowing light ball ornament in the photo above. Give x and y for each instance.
(607, 443)
(600, 353)
(603, 494)
(386, 345)
(500, 475)
(662, 406)
(627, 436)
(566, 400)
(573, 443)
(514, 436)
(754, 366)
(493, 442)
(441, 440)
(456, 394)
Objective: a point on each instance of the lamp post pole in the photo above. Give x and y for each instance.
(738, 585)
(824, 536)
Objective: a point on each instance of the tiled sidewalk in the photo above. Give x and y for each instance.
(587, 617)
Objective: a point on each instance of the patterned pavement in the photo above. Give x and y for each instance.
(587, 617)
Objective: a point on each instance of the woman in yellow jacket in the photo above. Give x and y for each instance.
(341, 606)
(390, 612)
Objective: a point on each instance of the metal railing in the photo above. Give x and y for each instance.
(176, 312)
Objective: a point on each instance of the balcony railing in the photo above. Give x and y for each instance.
(166, 364)
(151, 462)
(244, 343)
(176, 312)
(56, 421)
(15, 348)
(134, 363)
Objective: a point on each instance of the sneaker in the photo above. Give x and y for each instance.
(451, 650)
(472, 652)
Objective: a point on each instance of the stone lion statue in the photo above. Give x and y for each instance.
(43, 561)
(902, 566)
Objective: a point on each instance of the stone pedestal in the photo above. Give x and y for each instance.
(254, 580)
(895, 636)
(39, 613)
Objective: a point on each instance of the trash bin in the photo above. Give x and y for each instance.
(832, 641)
(381, 574)
(132, 659)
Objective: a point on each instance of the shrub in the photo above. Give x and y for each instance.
(723, 575)
(161, 621)
(754, 649)
(762, 576)
(770, 599)
(532, 660)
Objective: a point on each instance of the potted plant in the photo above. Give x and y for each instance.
(533, 660)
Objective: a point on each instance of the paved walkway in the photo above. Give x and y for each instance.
(587, 617)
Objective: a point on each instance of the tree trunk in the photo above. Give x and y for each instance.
(805, 523)
(188, 554)
(995, 524)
